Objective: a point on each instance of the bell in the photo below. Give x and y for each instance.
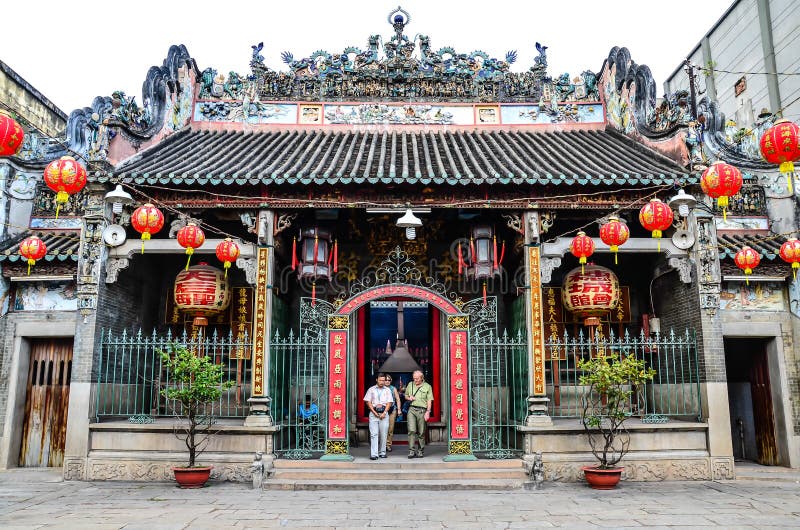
(400, 360)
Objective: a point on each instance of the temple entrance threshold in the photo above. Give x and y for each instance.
(343, 344)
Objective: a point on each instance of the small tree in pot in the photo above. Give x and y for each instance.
(197, 382)
(611, 380)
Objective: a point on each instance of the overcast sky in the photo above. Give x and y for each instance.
(75, 50)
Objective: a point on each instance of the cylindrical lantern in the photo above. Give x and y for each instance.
(147, 220)
(65, 176)
(582, 247)
(720, 181)
(190, 237)
(781, 145)
(790, 253)
(591, 293)
(33, 249)
(655, 217)
(227, 252)
(614, 234)
(747, 259)
(11, 135)
(202, 290)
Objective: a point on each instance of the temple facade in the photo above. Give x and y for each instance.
(401, 207)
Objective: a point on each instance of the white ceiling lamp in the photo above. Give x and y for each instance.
(410, 222)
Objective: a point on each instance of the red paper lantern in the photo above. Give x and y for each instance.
(65, 176)
(747, 259)
(781, 145)
(582, 247)
(614, 234)
(147, 220)
(190, 237)
(720, 181)
(33, 249)
(790, 253)
(201, 290)
(590, 293)
(227, 252)
(11, 135)
(655, 217)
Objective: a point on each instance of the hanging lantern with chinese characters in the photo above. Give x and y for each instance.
(721, 181)
(614, 233)
(747, 259)
(591, 293)
(32, 249)
(582, 247)
(190, 237)
(781, 145)
(655, 217)
(790, 253)
(65, 176)
(147, 220)
(201, 291)
(11, 135)
(227, 252)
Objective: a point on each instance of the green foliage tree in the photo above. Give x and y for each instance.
(611, 380)
(197, 382)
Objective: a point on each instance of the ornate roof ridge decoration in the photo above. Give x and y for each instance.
(632, 107)
(399, 69)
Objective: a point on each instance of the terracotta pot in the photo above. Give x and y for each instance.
(192, 477)
(602, 479)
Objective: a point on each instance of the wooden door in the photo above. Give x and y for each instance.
(762, 409)
(45, 425)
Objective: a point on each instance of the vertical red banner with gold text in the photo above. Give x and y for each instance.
(459, 386)
(337, 385)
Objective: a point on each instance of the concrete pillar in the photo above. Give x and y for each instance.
(714, 386)
(770, 66)
(262, 325)
(91, 260)
(537, 399)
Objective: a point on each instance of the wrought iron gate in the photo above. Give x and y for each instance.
(499, 383)
(298, 372)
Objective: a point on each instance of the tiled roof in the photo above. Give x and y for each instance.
(569, 157)
(61, 246)
(767, 245)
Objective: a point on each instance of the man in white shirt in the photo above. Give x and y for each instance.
(378, 399)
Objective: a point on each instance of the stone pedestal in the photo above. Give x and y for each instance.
(537, 412)
(259, 412)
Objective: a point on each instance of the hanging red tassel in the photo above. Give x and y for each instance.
(484, 294)
(494, 254)
(460, 259)
(294, 253)
(313, 294)
(316, 250)
(330, 258)
(336, 256)
(472, 250)
(502, 253)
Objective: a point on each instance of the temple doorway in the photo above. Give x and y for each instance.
(397, 337)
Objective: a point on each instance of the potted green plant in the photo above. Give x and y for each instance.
(610, 381)
(194, 382)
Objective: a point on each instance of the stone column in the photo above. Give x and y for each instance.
(262, 325)
(92, 255)
(714, 382)
(537, 399)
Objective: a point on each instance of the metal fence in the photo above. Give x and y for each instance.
(499, 384)
(131, 377)
(673, 393)
(298, 383)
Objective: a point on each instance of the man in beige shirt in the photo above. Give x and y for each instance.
(420, 394)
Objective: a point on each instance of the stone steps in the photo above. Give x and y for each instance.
(752, 471)
(396, 473)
